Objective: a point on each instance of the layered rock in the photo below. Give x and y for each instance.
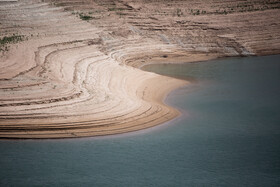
(74, 71)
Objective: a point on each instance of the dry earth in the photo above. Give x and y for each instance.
(69, 68)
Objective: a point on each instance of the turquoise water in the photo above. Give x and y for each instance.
(228, 135)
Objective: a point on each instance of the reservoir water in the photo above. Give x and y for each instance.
(228, 135)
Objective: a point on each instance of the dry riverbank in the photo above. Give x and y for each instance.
(70, 68)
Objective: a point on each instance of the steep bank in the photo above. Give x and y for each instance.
(74, 70)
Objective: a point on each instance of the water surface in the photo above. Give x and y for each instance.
(228, 135)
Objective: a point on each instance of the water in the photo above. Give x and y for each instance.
(228, 135)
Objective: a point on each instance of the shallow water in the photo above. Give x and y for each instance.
(228, 135)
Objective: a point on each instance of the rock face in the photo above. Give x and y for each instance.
(69, 68)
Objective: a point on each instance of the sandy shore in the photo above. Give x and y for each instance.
(73, 90)
(55, 87)
(70, 77)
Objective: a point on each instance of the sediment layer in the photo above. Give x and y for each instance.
(74, 73)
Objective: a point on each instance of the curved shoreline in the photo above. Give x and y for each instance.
(69, 77)
(150, 94)
(98, 97)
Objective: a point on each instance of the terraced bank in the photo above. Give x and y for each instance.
(75, 72)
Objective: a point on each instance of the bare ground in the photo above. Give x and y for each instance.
(75, 71)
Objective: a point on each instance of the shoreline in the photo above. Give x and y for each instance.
(74, 70)
(157, 99)
(160, 126)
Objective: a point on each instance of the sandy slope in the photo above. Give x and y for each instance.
(74, 78)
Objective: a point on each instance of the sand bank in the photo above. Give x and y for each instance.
(72, 77)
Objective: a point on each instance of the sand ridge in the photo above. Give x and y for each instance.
(71, 77)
